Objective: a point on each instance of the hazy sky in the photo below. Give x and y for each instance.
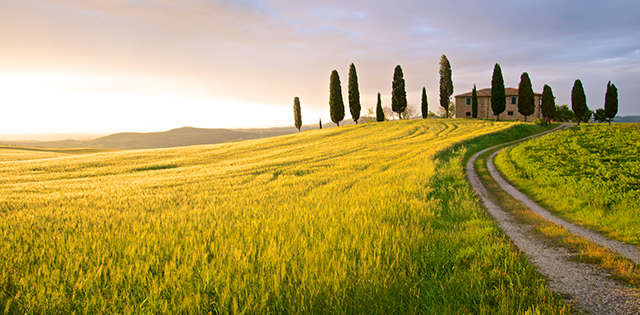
(136, 65)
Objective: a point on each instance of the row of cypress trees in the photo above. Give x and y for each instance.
(336, 105)
(398, 93)
(526, 100)
(581, 110)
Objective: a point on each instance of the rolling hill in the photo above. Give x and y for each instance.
(178, 137)
(627, 119)
(147, 140)
(371, 219)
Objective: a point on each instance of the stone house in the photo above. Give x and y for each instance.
(463, 105)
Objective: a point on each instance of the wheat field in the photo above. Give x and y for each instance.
(373, 218)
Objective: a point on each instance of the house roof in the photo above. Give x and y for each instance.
(487, 92)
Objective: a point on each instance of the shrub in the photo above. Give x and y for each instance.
(541, 122)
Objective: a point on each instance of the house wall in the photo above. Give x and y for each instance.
(485, 112)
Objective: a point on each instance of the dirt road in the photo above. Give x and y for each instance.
(587, 287)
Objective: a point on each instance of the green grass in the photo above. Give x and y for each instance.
(589, 174)
(620, 267)
(375, 218)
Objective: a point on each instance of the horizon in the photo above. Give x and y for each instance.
(87, 136)
(82, 136)
(96, 67)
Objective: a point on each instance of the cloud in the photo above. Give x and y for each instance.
(269, 51)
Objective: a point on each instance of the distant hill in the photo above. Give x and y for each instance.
(627, 119)
(172, 138)
(179, 137)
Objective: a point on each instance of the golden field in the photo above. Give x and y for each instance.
(374, 218)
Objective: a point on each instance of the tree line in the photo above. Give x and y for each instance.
(526, 100)
(398, 96)
(549, 110)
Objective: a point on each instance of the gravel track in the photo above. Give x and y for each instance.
(585, 286)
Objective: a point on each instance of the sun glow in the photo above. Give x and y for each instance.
(51, 103)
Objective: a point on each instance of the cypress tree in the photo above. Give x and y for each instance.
(354, 94)
(548, 104)
(379, 111)
(578, 101)
(474, 102)
(446, 84)
(526, 102)
(398, 92)
(611, 102)
(297, 115)
(425, 104)
(336, 104)
(498, 97)
(320, 123)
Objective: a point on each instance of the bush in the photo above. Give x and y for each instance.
(541, 122)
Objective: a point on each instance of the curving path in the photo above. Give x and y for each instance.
(627, 250)
(587, 287)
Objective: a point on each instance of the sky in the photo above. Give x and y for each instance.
(104, 66)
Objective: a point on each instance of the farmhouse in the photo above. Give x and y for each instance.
(463, 105)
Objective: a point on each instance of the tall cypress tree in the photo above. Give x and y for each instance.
(474, 102)
(336, 104)
(297, 115)
(354, 94)
(425, 104)
(398, 92)
(578, 100)
(526, 102)
(498, 97)
(611, 102)
(379, 110)
(320, 123)
(548, 104)
(446, 84)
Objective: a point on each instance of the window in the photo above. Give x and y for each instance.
(510, 113)
(513, 100)
(468, 101)
(467, 114)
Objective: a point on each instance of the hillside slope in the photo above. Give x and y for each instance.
(16, 153)
(375, 218)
